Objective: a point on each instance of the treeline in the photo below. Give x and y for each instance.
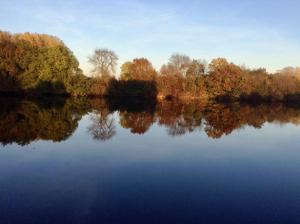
(189, 78)
(183, 77)
(42, 64)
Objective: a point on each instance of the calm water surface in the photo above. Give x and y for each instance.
(88, 161)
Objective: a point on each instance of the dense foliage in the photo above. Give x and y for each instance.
(39, 64)
(189, 78)
(224, 80)
(138, 69)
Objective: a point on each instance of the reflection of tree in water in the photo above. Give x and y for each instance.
(32, 120)
(102, 127)
(178, 117)
(137, 122)
(224, 119)
(221, 119)
(24, 121)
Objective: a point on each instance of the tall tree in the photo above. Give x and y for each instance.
(104, 62)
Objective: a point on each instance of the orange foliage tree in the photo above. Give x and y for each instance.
(139, 69)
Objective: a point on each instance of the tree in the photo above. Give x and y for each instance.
(225, 79)
(196, 68)
(138, 69)
(31, 61)
(180, 63)
(181, 77)
(104, 62)
(291, 71)
(126, 71)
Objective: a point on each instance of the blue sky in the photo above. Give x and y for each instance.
(256, 33)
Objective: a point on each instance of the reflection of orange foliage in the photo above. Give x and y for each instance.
(179, 117)
(99, 87)
(99, 105)
(217, 119)
(137, 122)
(31, 121)
(26, 121)
(222, 119)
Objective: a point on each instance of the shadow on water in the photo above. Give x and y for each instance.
(25, 120)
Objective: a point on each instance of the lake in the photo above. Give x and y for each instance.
(94, 161)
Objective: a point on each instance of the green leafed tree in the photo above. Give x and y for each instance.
(39, 64)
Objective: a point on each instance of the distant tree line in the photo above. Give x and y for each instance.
(42, 64)
(183, 77)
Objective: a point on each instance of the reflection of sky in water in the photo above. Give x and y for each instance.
(249, 175)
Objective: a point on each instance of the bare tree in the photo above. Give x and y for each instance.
(180, 63)
(104, 62)
(103, 127)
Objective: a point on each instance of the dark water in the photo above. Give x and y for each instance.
(88, 161)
